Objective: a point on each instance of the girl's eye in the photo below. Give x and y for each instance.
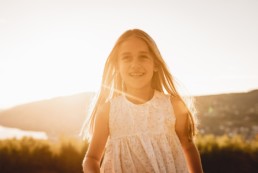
(143, 57)
(125, 58)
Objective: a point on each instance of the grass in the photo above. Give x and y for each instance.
(28, 155)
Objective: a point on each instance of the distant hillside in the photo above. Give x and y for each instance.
(57, 116)
(235, 113)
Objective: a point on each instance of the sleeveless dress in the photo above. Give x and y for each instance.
(143, 138)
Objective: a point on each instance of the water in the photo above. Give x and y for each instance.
(7, 133)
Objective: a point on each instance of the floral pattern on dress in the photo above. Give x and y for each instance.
(143, 138)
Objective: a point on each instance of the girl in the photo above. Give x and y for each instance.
(141, 128)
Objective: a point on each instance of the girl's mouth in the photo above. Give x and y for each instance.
(136, 74)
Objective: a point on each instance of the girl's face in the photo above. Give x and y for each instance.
(136, 64)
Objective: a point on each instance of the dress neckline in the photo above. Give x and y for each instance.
(141, 104)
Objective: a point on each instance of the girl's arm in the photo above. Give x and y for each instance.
(91, 162)
(191, 153)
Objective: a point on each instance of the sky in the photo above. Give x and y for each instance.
(55, 48)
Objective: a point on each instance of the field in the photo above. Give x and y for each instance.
(219, 154)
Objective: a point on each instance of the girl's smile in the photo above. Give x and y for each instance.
(136, 74)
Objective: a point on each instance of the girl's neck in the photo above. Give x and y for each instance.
(139, 96)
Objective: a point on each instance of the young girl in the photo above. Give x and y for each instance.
(139, 124)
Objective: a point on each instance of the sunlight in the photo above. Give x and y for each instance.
(59, 53)
(30, 79)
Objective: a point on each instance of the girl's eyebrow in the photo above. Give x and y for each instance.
(125, 53)
(129, 53)
(144, 52)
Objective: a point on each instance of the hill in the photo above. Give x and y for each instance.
(57, 116)
(235, 113)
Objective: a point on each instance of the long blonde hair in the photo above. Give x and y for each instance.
(112, 85)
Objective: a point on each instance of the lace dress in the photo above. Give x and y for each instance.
(143, 138)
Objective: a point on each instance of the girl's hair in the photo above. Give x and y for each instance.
(112, 84)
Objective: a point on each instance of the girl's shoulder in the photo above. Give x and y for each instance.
(174, 101)
(104, 109)
(161, 95)
(178, 102)
(116, 99)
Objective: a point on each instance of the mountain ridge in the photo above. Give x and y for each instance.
(64, 115)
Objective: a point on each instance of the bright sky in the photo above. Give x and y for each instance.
(58, 47)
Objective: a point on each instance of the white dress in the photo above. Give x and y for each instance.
(143, 138)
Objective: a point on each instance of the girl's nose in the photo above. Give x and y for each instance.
(135, 63)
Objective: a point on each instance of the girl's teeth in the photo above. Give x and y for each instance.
(136, 74)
